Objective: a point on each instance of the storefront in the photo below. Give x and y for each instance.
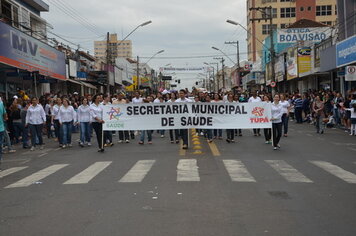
(27, 63)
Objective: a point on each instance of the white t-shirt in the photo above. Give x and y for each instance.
(137, 100)
(185, 100)
(156, 100)
(285, 105)
(252, 99)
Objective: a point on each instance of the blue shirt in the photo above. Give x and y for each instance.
(298, 103)
(2, 113)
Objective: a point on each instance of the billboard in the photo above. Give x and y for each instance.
(294, 35)
(20, 50)
(346, 52)
(304, 60)
(292, 64)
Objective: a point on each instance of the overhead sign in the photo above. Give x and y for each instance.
(292, 64)
(304, 60)
(182, 69)
(161, 116)
(346, 52)
(295, 35)
(350, 73)
(22, 51)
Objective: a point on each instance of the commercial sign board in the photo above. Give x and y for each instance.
(294, 35)
(22, 51)
(346, 52)
(292, 64)
(280, 68)
(182, 69)
(304, 60)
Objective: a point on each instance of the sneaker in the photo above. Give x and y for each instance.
(127, 141)
(32, 148)
(173, 141)
(275, 148)
(210, 140)
(285, 135)
(267, 142)
(64, 146)
(162, 136)
(120, 141)
(279, 146)
(185, 146)
(12, 151)
(201, 133)
(141, 143)
(89, 144)
(101, 150)
(232, 141)
(81, 144)
(110, 144)
(149, 142)
(228, 140)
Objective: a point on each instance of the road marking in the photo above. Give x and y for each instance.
(37, 176)
(288, 172)
(57, 149)
(214, 149)
(11, 171)
(138, 172)
(187, 170)
(238, 171)
(336, 171)
(43, 154)
(89, 173)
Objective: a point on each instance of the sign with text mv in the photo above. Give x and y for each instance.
(162, 116)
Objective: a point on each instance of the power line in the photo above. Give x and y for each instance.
(75, 17)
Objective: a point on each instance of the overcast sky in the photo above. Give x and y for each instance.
(183, 28)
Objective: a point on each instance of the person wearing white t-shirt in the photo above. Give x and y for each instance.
(255, 98)
(183, 132)
(217, 132)
(137, 98)
(285, 118)
(107, 134)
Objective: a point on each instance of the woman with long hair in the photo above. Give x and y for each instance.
(319, 110)
(96, 113)
(67, 117)
(173, 133)
(230, 132)
(84, 120)
(35, 119)
(217, 132)
(55, 121)
(267, 132)
(285, 118)
(277, 113)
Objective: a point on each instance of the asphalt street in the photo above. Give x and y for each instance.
(308, 187)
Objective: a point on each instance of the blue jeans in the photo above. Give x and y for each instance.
(36, 133)
(336, 115)
(149, 135)
(285, 119)
(84, 132)
(1, 140)
(67, 132)
(25, 137)
(18, 128)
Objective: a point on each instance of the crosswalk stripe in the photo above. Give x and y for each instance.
(187, 170)
(336, 171)
(11, 171)
(89, 173)
(288, 172)
(37, 176)
(138, 172)
(238, 171)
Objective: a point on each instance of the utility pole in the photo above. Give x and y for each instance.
(267, 16)
(138, 73)
(108, 55)
(217, 73)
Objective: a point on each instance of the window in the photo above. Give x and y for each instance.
(284, 26)
(266, 1)
(309, 8)
(265, 29)
(287, 0)
(324, 10)
(326, 22)
(301, 8)
(267, 13)
(15, 14)
(335, 9)
(288, 12)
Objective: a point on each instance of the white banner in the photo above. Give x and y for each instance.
(164, 116)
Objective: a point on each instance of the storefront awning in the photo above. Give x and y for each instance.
(74, 81)
(89, 85)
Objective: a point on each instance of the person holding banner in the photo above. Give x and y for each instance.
(255, 98)
(173, 98)
(285, 118)
(123, 135)
(267, 132)
(149, 99)
(183, 132)
(96, 112)
(277, 113)
(217, 132)
(107, 134)
(209, 132)
(230, 132)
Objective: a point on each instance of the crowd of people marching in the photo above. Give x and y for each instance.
(27, 120)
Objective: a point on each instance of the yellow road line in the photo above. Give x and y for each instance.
(214, 149)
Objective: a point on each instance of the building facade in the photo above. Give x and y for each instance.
(115, 48)
(284, 13)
